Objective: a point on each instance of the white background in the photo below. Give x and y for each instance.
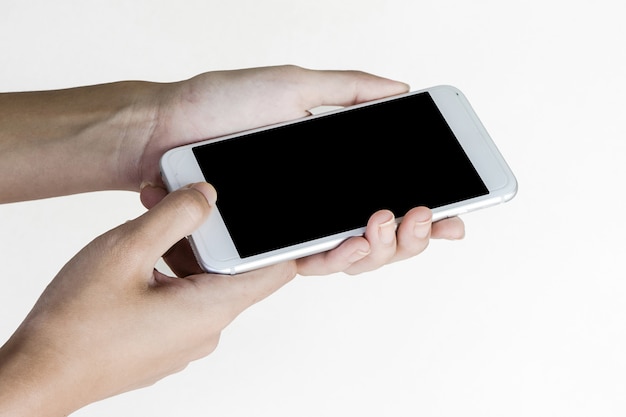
(525, 317)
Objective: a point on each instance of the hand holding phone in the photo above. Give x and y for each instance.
(262, 218)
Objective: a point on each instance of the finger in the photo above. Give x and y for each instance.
(336, 260)
(175, 217)
(381, 235)
(179, 258)
(249, 98)
(413, 233)
(230, 295)
(452, 228)
(345, 88)
(150, 195)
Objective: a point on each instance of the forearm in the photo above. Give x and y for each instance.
(31, 384)
(76, 140)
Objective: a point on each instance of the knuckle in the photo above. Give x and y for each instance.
(190, 204)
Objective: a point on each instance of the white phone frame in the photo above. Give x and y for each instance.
(215, 250)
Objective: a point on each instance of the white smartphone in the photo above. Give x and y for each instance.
(302, 187)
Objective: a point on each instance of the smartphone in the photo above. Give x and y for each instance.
(302, 187)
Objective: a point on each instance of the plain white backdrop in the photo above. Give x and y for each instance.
(525, 317)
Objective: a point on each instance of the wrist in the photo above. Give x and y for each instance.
(33, 383)
(135, 122)
(114, 143)
(77, 140)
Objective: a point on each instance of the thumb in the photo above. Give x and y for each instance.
(175, 217)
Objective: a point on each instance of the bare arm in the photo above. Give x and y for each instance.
(71, 141)
(111, 136)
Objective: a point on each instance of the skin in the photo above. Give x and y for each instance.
(109, 322)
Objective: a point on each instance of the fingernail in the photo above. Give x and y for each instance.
(387, 231)
(145, 184)
(207, 190)
(421, 230)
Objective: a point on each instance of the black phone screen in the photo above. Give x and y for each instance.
(326, 175)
